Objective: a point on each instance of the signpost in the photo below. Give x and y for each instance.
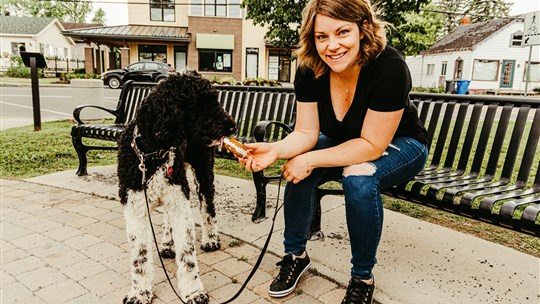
(35, 61)
(531, 37)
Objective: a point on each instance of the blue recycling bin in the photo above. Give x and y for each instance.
(462, 86)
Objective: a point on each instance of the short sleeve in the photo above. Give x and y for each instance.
(305, 85)
(391, 86)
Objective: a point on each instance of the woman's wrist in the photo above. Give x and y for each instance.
(308, 165)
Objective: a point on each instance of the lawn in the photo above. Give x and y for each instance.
(25, 153)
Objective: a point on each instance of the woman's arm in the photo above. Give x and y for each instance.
(302, 139)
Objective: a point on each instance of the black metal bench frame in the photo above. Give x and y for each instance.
(498, 133)
(477, 144)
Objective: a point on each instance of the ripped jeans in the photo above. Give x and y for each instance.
(362, 185)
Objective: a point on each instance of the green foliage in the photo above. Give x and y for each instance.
(261, 82)
(537, 89)
(99, 16)
(68, 11)
(81, 76)
(477, 10)
(20, 71)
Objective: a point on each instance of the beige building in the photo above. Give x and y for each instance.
(212, 37)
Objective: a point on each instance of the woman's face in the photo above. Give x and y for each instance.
(337, 42)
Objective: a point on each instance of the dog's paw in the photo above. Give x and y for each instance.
(167, 253)
(201, 298)
(143, 297)
(211, 246)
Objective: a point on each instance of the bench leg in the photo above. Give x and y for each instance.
(260, 186)
(81, 152)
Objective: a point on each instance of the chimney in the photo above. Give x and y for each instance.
(465, 20)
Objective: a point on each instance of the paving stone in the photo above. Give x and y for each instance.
(213, 280)
(12, 232)
(30, 241)
(6, 246)
(81, 222)
(316, 286)
(15, 293)
(258, 278)
(62, 233)
(244, 251)
(302, 298)
(232, 267)
(40, 278)
(82, 241)
(227, 291)
(211, 258)
(13, 255)
(115, 236)
(83, 269)
(120, 263)
(67, 217)
(13, 217)
(69, 290)
(49, 249)
(262, 291)
(22, 264)
(88, 298)
(6, 278)
(333, 296)
(39, 224)
(65, 258)
(98, 228)
(101, 251)
(104, 283)
(95, 211)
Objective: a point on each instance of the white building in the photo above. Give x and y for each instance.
(489, 54)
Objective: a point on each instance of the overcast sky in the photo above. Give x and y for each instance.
(116, 10)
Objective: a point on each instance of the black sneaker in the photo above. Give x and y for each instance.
(359, 292)
(289, 274)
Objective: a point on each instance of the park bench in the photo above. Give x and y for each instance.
(483, 160)
(248, 105)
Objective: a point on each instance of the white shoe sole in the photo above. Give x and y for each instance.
(286, 292)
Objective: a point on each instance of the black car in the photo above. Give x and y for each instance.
(146, 71)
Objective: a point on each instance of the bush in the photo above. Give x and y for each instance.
(261, 82)
(70, 76)
(21, 72)
(537, 89)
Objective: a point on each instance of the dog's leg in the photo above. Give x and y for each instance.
(139, 239)
(167, 243)
(209, 229)
(178, 211)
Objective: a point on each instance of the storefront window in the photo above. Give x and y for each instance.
(215, 60)
(150, 52)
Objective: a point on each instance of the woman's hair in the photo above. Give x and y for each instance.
(357, 11)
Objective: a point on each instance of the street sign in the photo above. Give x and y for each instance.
(531, 29)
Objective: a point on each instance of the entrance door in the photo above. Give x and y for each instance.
(507, 74)
(180, 58)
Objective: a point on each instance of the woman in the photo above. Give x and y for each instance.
(354, 120)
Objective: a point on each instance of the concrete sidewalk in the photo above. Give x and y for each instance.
(63, 242)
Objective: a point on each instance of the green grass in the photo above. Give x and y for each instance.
(25, 153)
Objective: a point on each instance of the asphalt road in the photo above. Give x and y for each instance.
(55, 102)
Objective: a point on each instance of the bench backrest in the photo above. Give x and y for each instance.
(133, 93)
(249, 105)
(491, 136)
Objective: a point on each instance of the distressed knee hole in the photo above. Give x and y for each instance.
(365, 169)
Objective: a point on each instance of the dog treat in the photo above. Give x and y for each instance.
(235, 147)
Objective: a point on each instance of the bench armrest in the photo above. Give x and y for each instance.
(77, 112)
(262, 127)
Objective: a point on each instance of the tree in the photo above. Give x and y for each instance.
(477, 10)
(283, 17)
(68, 11)
(99, 16)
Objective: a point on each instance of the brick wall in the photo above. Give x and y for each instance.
(216, 25)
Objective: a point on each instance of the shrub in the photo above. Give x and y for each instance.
(70, 76)
(537, 89)
(21, 72)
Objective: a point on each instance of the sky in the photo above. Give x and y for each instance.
(116, 10)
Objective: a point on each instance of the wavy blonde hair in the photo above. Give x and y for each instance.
(357, 11)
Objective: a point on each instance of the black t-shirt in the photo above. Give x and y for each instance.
(383, 85)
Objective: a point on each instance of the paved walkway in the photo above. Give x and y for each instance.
(63, 242)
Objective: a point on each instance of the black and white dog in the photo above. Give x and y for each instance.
(176, 125)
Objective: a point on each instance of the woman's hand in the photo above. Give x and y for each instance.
(261, 155)
(297, 168)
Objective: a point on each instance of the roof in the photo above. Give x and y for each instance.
(23, 25)
(133, 32)
(465, 37)
(76, 25)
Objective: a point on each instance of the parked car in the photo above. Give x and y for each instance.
(146, 71)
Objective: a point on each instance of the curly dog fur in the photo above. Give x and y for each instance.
(181, 113)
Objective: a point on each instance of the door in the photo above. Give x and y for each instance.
(507, 74)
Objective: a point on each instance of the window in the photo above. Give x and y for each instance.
(252, 62)
(215, 8)
(485, 69)
(279, 65)
(458, 68)
(162, 10)
(444, 65)
(535, 71)
(516, 39)
(17, 48)
(152, 52)
(215, 60)
(430, 69)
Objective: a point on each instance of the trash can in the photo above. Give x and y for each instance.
(450, 87)
(462, 86)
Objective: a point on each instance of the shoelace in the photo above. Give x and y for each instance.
(357, 294)
(286, 269)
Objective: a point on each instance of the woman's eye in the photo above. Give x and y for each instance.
(320, 37)
(343, 32)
